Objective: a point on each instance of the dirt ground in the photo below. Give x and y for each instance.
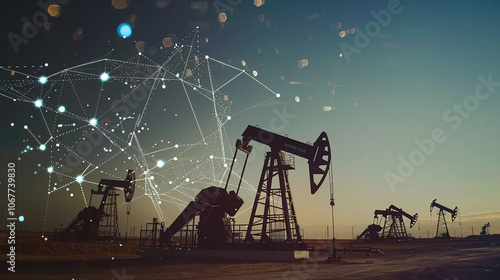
(419, 259)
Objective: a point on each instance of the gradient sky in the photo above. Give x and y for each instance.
(395, 90)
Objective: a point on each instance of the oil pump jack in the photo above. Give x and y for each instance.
(393, 227)
(273, 218)
(442, 227)
(101, 222)
(273, 214)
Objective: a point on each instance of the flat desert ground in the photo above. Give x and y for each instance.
(470, 258)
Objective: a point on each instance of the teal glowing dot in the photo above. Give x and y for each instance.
(50, 169)
(21, 218)
(79, 179)
(160, 163)
(43, 80)
(104, 77)
(38, 103)
(42, 147)
(61, 109)
(93, 121)
(124, 30)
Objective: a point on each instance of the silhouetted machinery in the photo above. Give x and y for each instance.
(101, 222)
(485, 230)
(273, 218)
(442, 227)
(393, 227)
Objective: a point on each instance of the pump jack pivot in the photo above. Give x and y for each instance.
(273, 215)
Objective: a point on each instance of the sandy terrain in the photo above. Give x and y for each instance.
(427, 259)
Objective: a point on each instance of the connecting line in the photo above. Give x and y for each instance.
(260, 83)
(187, 59)
(76, 94)
(100, 92)
(22, 94)
(243, 71)
(83, 172)
(194, 114)
(45, 121)
(27, 128)
(13, 99)
(149, 96)
(254, 106)
(50, 89)
(219, 124)
(46, 207)
(336, 76)
(84, 197)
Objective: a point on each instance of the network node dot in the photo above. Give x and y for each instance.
(79, 179)
(42, 147)
(104, 77)
(124, 30)
(93, 122)
(38, 103)
(42, 80)
(160, 163)
(61, 109)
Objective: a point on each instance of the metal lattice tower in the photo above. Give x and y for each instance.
(442, 227)
(108, 227)
(274, 218)
(394, 227)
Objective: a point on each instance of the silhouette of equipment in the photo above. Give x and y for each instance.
(273, 217)
(101, 222)
(442, 227)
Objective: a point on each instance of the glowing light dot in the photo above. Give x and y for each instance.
(160, 163)
(61, 109)
(38, 103)
(340, 54)
(176, 146)
(175, 158)
(21, 218)
(45, 239)
(43, 80)
(93, 121)
(278, 95)
(11, 124)
(124, 30)
(50, 169)
(104, 77)
(42, 147)
(71, 194)
(211, 156)
(255, 73)
(297, 99)
(206, 56)
(163, 86)
(187, 179)
(228, 118)
(79, 179)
